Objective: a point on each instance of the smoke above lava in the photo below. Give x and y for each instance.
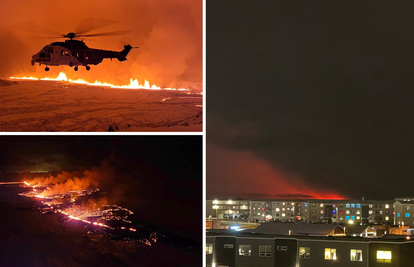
(168, 34)
(234, 174)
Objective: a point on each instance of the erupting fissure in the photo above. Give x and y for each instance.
(96, 213)
(134, 84)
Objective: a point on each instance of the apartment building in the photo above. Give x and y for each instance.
(228, 209)
(404, 211)
(248, 249)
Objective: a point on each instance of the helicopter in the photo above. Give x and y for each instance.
(76, 53)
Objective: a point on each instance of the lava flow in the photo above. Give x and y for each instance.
(80, 206)
(134, 83)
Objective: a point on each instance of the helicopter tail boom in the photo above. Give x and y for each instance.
(124, 53)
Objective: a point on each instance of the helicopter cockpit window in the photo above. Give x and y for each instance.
(42, 55)
(50, 50)
(64, 53)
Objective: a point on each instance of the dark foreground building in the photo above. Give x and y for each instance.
(226, 248)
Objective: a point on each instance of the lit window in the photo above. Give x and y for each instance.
(341, 218)
(352, 217)
(330, 254)
(283, 203)
(358, 212)
(347, 211)
(358, 205)
(380, 211)
(321, 205)
(370, 212)
(215, 202)
(356, 255)
(306, 204)
(407, 215)
(347, 205)
(387, 206)
(304, 253)
(277, 209)
(321, 211)
(387, 218)
(245, 250)
(352, 205)
(229, 202)
(347, 218)
(283, 214)
(288, 208)
(358, 217)
(398, 214)
(258, 214)
(209, 248)
(265, 251)
(293, 203)
(283, 209)
(384, 256)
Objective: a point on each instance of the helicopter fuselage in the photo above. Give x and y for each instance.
(75, 53)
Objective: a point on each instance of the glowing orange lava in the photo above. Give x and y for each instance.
(134, 83)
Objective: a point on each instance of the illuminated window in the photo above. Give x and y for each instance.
(283, 214)
(283, 209)
(358, 212)
(341, 218)
(258, 214)
(321, 205)
(407, 215)
(245, 250)
(347, 205)
(209, 248)
(306, 204)
(304, 253)
(358, 205)
(358, 217)
(265, 251)
(277, 209)
(321, 211)
(352, 205)
(293, 203)
(356, 255)
(387, 218)
(347, 211)
(352, 217)
(330, 254)
(387, 206)
(283, 203)
(398, 214)
(347, 217)
(384, 256)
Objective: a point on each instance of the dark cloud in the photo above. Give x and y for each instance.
(323, 91)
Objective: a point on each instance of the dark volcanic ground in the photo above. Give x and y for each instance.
(28, 238)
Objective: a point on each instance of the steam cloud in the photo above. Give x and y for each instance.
(169, 34)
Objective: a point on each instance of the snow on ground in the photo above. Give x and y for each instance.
(45, 106)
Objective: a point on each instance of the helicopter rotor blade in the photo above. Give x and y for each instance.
(105, 33)
(90, 24)
(30, 26)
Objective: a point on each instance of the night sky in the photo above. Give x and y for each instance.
(158, 177)
(310, 97)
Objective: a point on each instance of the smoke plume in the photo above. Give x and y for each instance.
(168, 34)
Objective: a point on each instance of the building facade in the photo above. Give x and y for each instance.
(227, 249)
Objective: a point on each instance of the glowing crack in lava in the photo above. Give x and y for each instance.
(134, 83)
(94, 213)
